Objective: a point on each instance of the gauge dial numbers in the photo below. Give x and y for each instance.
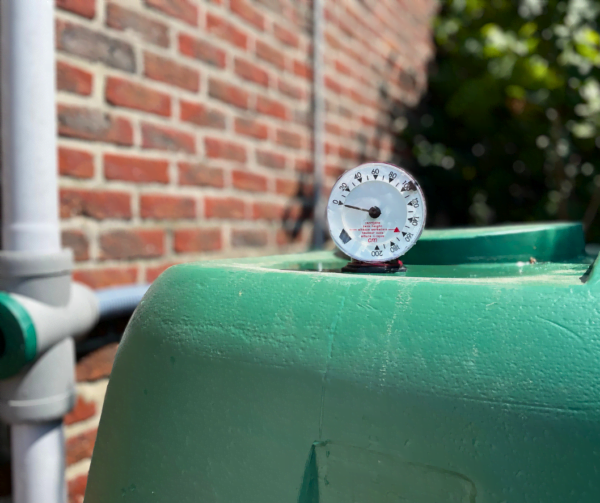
(376, 212)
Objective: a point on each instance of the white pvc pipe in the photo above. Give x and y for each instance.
(30, 205)
(318, 124)
(38, 475)
(29, 178)
(120, 300)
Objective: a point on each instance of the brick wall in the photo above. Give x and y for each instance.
(185, 125)
(185, 133)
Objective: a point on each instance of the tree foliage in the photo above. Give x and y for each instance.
(509, 129)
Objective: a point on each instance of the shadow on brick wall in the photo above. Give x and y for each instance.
(296, 215)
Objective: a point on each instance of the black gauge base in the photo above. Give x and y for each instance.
(358, 267)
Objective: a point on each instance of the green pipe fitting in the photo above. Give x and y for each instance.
(32, 327)
(18, 341)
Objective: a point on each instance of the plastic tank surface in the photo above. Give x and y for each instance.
(473, 377)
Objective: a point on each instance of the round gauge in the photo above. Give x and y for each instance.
(376, 212)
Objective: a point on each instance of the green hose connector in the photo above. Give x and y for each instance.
(18, 341)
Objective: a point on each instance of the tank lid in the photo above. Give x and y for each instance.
(546, 242)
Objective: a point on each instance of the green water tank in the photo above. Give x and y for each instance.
(473, 377)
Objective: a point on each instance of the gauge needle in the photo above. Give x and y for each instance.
(373, 212)
(355, 208)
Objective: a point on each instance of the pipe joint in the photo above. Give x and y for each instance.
(31, 327)
(42, 276)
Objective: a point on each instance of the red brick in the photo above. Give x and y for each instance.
(343, 68)
(80, 447)
(289, 139)
(271, 107)
(135, 169)
(78, 242)
(330, 148)
(120, 18)
(132, 244)
(361, 99)
(101, 204)
(234, 95)
(301, 69)
(93, 125)
(96, 365)
(106, 277)
(167, 207)
(84, 8)
(333, 129)
(270, 159)
(301, 20)
(224, 149)
(249, 181)
(202, 50)
(167, 71)
(197, 240)
(346, 153)
(180, 9)
(200, 175)
(166, 138)
(267, 211)
(356, 56)
(199, 114)
(84, 409)
(334, 170)
(345, 112)
(95, 46)
(250, 71)
(254, 238)
(368, 121)
(75, 163)
(246, 11)
(76, 488)
(332, 41)
(224, 207)
(291, 90)
(71, 79)
(123, 93)
(253, 128)
(154, 272)
(343, 25)
(277, 7)
(287, 187)
(304, 166)
(269, 54)
(333, 85)
(285, 36)
(225, 30)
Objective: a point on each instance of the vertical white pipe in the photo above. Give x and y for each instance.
(38, 475)
(318, 124)
(30, 205)
(29, 178)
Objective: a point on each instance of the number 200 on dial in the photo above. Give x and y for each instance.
(376, 212)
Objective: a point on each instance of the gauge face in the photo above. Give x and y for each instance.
(376, 212)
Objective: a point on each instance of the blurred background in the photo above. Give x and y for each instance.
(199, 129)
(507, 130)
